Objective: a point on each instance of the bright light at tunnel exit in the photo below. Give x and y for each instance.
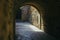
(34, 17)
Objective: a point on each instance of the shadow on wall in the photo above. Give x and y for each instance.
(18, 14)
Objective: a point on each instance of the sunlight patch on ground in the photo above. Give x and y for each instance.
(26, 24)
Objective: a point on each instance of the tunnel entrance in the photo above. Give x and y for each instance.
(28, 21)
(28, 13)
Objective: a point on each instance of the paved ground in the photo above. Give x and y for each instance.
(26, 31)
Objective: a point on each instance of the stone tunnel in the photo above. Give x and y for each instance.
(48, 9)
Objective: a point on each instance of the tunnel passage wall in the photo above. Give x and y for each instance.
(34, 17)
(53, 18)
(25, 12)
(6, 20)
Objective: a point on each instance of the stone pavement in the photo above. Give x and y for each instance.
(26, 31)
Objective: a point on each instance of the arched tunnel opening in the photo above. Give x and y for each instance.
(29, 24)
(28, 13)
(28, 20)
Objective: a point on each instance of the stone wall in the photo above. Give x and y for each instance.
(53, 18)
(35, 16)
(6, 20)
(25, 12)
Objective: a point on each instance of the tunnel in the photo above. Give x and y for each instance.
(28, 13)
(43, 10)
(10, 12)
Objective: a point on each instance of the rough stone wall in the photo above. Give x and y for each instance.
(25, 12)
(6, 20)
(35, 16)
(53, 18)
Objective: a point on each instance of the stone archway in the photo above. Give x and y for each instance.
(39, 7)
(8, 13)
(31, 11)
(34, 4)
